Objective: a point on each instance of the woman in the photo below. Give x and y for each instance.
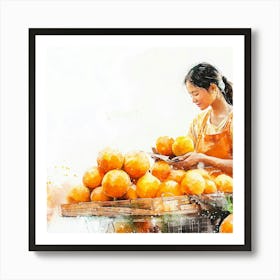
(211, 130)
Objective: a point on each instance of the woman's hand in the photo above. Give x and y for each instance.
(189, 160)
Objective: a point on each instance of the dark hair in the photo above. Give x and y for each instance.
(204, 74)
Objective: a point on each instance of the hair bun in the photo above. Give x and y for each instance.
(228, 90)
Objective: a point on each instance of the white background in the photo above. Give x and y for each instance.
(18, 263)
(121, 91)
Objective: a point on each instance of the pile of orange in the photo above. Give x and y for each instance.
(131, 175)
(195, 181)
(112, 178)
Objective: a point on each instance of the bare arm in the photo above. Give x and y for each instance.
(192, 159)
(224, 165)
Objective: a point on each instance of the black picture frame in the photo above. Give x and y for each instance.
(246, 32)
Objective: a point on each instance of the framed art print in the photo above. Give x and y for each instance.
(140, 139)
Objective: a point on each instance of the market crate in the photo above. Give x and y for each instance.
(178, 214)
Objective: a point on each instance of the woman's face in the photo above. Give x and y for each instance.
(201, 97)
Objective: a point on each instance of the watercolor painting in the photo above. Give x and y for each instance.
(143, 132)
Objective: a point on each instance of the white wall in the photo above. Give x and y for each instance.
(121, 92)
(17, 263)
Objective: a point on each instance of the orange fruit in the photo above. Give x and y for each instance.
(147, 186)
(224, 183)
(136, 164)
(109, 159)
(176, 175)
(161, 170)
(164, 145)
(227, 224)
(115, 183)
(210, 186)
(92, 178)
(131, 193)
(98, 195)
(193, 183)
(182, 145)
(78, 193)
(169, 188)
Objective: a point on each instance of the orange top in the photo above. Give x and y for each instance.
(212, 140)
